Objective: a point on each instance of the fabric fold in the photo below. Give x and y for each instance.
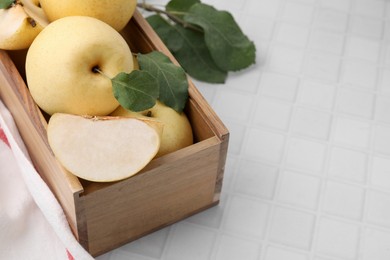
(32, 222)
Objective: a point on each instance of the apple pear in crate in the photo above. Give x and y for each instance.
(177, 131)
(103, 149)
(61, 66)
(115, 13)
(20, 23)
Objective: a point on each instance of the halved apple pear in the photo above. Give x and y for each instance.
(20, 24)
(103, 149)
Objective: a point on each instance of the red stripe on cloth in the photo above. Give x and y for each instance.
(70, 257)
(3, 137)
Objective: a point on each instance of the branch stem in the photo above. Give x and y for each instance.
(170, 15)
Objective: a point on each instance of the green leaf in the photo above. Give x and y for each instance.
(195, 57)
(135, 91)
(172, 79)
(166, 32)
(4, 4)
(229, 47)
(179, 7)
(190, 49)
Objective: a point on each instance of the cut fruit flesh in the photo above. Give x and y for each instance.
(103, 149)
(20, 24)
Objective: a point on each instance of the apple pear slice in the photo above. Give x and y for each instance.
(103, 149)
(20, 24)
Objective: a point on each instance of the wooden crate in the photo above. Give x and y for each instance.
(169, 189)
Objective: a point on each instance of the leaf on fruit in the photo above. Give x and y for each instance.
(172, 79)
(189, 48)
(4, 4)
(135, 91)
(229, 47)
(179, 7)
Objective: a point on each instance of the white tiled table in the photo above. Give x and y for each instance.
(308, 169)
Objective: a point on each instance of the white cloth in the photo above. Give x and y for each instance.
(32, 222)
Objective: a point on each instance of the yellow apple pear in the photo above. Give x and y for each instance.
(116, 13)
(177, 132)
(20, 24)
(62, 66)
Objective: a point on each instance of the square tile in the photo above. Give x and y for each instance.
(258, 28)
(248, 83)
(354, 102)
(299, 189)
(337, 239)
(272, 113)
(343, 200)
(351, 132)
(380, 172)
(306, 156)
(207, 91)
(341, 5)
(233, 248)
(373, 8)
(382, 139)
(211, 217)
(322, 66)
(322, 258)
(311, 123)
(297, 13)
(386, 33)
(384, 81)
(359, 74)
(151, 245)
(279, 86)
(256, 179)
(386, 48)
(237, 133)
(106, 256)
(375, 244)
(331, 20)
(317, 95)
(292, 34)
(223, 105)
(326, 41)
(188, 241)
(347, 164)
(123, 255)
(362, 48)
(277, 253)
(230, 171)
(264, 145)
(382, 109)
(308, 2)
(286, 59)
(246, 217)
(378, 208)
(366, 26)
(292, 228)
(262, 57)
(231, 6)
(262, 8)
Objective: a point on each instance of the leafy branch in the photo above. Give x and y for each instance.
(208, 43)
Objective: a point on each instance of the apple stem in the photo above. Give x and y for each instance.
(96, 69)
